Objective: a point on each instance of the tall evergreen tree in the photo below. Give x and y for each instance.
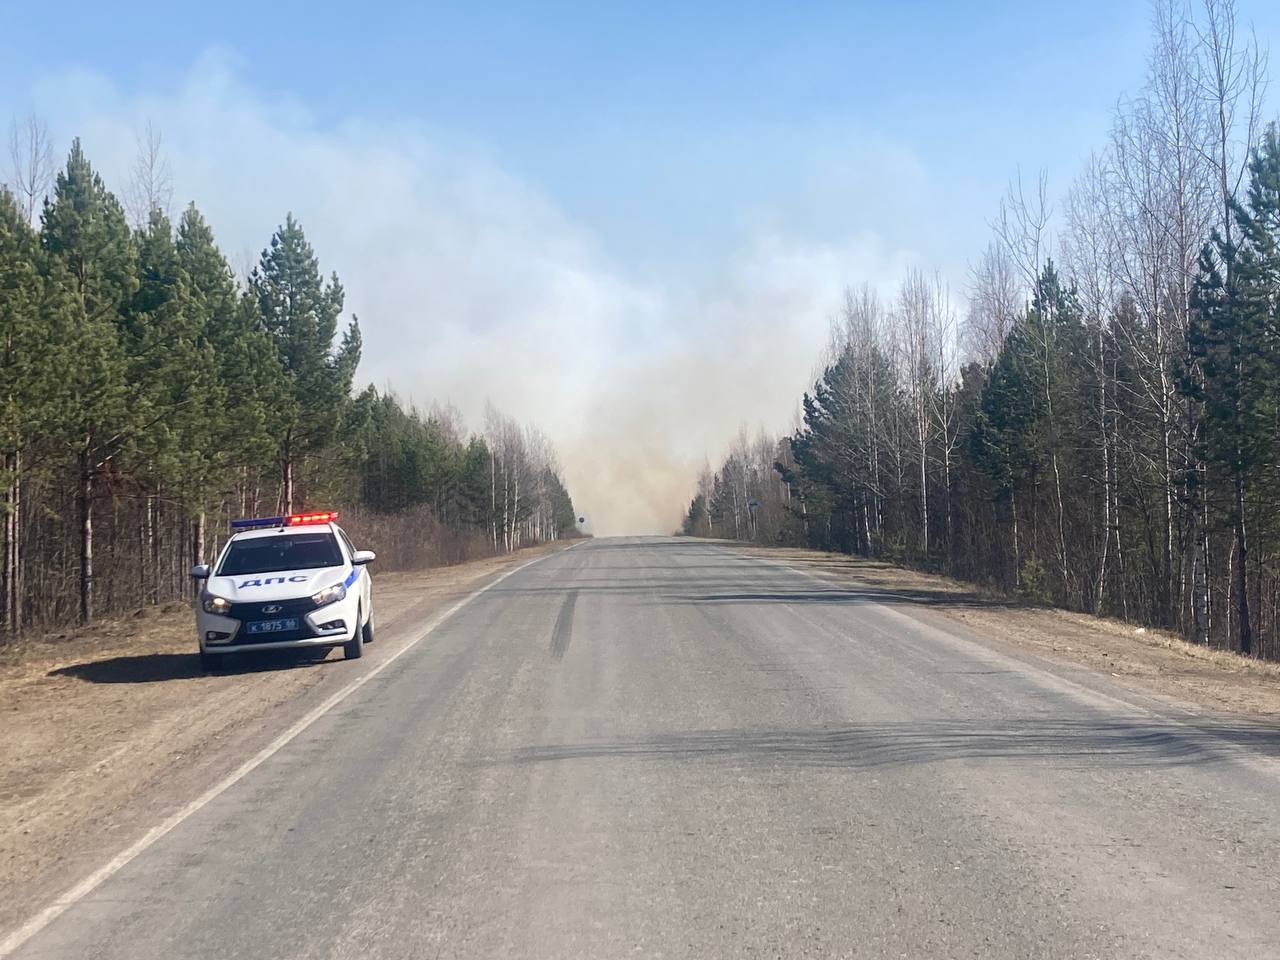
(1234, 334)
(85, 232)
(474, 480)
(1030, 404)
(300, 312)
(36, 351)
(170, 358)
(249, 379)
(174, 364)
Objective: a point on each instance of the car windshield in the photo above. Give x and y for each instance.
(295, 551)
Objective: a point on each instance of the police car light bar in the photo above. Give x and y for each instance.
(293, 520)
(300, 519)
(252, 522)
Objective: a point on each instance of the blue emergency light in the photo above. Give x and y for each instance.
(251, 523)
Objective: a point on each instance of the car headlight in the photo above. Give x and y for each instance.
(214, 604)
(330, 595)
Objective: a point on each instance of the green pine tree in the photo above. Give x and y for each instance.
(238, 408)
(1029, 409)
(695, 519)
(36, 352)
(1235, 325)
(472, 491)
(180, 397)
(87, 237)
(300, 312)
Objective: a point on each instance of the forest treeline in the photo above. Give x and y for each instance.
(148, 395)
(1100, 427)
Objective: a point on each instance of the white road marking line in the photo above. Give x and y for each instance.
(90, 883)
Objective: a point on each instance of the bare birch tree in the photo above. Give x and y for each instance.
(31, 163)
(151, 185)
(996, 297)
(1089, 253)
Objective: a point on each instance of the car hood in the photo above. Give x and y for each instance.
(286, 585)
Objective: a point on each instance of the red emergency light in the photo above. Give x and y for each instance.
(303, 519)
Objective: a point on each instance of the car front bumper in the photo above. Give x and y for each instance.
(304, 643)
(228, 634)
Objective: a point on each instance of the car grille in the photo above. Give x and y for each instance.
(255, 611)
(245, 612)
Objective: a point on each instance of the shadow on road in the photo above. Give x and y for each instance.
(161, 667)
(939, 598)
(687, 545)
(1060, 743)
(667, 591)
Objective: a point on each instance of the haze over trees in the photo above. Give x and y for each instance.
(147, 396)
(1100, 429)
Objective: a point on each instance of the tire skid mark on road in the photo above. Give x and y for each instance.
(563, 631)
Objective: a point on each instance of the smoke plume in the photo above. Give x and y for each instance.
(472, 285)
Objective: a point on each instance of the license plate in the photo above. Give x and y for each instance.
(273, 626)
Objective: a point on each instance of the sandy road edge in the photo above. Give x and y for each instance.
(406, 639)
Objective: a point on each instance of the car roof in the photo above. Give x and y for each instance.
(265, 532)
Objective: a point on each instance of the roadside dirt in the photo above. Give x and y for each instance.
(1141, 659)
(106, 728)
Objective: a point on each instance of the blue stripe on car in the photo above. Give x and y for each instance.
(351, 577)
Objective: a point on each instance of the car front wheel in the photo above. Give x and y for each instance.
(353, 649)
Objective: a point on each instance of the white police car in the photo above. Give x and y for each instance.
(283, 582)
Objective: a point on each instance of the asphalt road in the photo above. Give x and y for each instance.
(658, 748)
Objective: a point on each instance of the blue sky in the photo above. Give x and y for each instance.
(608, 187)
(666, 126)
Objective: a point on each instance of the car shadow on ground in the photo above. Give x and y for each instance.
(161, 667)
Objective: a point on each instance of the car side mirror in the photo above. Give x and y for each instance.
(361, 557)
(200, 571)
